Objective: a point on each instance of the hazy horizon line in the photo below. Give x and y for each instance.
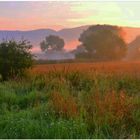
(57, 30)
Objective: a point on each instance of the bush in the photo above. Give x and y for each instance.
(15, 57)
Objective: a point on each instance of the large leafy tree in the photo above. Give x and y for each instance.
(52, 42)
(15, 57)
(104, 42)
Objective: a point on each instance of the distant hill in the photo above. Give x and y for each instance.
(70, 35)
(134, 49)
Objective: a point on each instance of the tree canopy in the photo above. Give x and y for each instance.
(104, 42)
(52, 42)
(15, 57)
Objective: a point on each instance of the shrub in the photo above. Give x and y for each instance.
(15, 57)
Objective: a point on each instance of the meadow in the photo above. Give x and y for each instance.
(73, 100)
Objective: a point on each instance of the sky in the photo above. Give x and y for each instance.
(26, 15)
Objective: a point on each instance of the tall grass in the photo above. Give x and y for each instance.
(72, 103)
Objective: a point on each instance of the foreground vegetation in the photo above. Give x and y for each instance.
(99, 100)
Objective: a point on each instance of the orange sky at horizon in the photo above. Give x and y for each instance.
(74, 43)
(71, 45)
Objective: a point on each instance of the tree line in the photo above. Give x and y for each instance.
(98, 42)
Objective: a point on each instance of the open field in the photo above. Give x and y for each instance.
(132, 67)
(79, 100)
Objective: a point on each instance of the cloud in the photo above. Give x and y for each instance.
(31, 15)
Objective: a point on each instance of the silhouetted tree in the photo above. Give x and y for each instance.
(104, 42)
(15, 57)
(52, 42)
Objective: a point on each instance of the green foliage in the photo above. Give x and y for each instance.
(15, 57)
(103, 42)
(27, 109)
(52, 42)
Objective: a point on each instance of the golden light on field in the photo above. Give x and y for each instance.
(103, 67)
